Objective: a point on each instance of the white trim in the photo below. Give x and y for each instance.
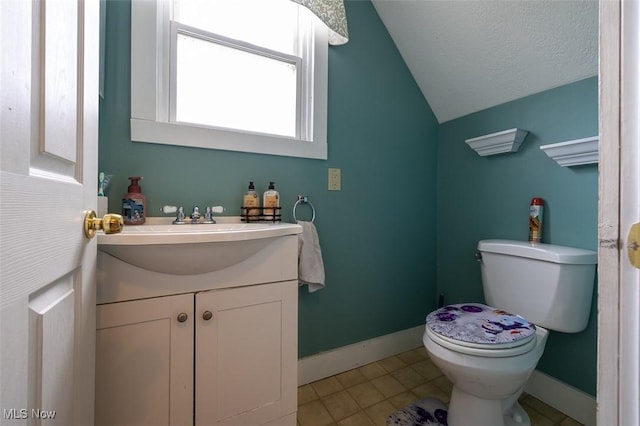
(567, 399)
(336, 361)
(609, 214)
(573, 402)
(152, 131)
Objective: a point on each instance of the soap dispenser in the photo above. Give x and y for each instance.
(134, 203)
(251, 204)
(271, 199)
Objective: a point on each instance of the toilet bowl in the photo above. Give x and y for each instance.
(488, 353)
(488, 379)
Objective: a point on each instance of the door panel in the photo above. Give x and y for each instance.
(52, 314)
(59, 79)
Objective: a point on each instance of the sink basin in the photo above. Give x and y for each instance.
(191, 249)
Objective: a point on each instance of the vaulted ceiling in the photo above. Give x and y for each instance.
(467, 56)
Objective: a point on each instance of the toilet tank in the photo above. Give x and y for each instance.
(549, 285)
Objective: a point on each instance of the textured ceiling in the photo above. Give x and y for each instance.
(467, 56)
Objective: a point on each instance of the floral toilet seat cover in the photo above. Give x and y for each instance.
(478, 324)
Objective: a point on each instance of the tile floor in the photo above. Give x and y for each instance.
(367, 395)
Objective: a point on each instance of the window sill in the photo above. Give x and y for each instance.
(203, 137)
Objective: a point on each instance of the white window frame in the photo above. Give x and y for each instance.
(150, 89)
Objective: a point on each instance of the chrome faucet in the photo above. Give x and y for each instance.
(195, 216)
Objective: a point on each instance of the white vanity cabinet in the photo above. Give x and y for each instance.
(222, 353)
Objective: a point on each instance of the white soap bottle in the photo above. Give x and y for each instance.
(271, 199)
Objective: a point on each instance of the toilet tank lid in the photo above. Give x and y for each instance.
(548, 252)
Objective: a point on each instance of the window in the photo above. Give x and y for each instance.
(209, 76)
(227, 85)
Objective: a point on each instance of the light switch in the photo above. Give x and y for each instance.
(334, 180)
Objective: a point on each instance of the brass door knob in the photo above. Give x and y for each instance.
(633, 245)
(110, 223)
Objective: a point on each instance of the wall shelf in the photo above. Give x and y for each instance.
(573, 153)
(498, 143)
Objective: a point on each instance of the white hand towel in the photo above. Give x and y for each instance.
(310, 265)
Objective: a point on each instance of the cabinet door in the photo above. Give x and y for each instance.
(246, 354)
(144, 362)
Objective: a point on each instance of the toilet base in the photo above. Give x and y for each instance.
(466, 409)
(516, 416)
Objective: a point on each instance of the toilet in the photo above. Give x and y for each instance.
(489, 351)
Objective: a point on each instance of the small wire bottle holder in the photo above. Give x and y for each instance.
(261, 214)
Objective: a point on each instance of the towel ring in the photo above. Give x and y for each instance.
(303, 199)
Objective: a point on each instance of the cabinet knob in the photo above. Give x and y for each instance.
(207, 315)
(182, 317)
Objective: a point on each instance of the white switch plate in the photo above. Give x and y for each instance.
(334, 180)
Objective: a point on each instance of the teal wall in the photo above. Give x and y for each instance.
(377, 234)
(400, 171)
(488, 197)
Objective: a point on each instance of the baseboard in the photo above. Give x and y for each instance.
(565, 398)
(573, 402)
(346, 358)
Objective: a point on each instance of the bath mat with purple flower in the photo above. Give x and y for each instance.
(424, 412)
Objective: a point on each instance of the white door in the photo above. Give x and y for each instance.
(630, 214)
(48, 162)
(619, 280)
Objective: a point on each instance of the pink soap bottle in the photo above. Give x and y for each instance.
(134, 203)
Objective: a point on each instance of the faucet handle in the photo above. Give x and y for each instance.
(168, 209)
(208, 216)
